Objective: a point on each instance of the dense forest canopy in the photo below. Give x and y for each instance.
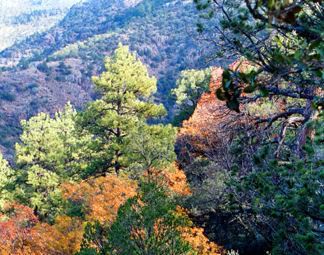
(237, 168)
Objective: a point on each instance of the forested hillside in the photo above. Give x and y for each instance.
(236, 169)
(46, 70)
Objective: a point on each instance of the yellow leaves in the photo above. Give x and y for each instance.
(176, 180)
(22, 234)
(196, 238)
(172, 177)
(199, 242)
(62, 238)
(100, 199)
(16, 232)
(101, 196)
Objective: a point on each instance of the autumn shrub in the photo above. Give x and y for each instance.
(98, 199)
(149, 223)
(62, 238)
(16, 230)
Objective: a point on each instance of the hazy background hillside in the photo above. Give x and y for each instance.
(45, 70)
(21, 18)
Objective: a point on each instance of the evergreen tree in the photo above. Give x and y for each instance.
(190, 86)
(7, 179)
(50, 151)
(150, 146)
(286, 197)
(147, 224)
(277, 195)
(125, 105)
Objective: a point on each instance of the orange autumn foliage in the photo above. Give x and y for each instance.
(16, 231)
(201, 131)
(172, 177)
(200, 243)
(101, 197)
(175, 179)
(193, 235)
(211, 125)
(196, 238)
(23, 234)
(62, 238)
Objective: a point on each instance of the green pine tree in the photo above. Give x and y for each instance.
(50, 152)
(7, 180)
(124, 107)
(147, 224)
(151, 146)
(190, 86)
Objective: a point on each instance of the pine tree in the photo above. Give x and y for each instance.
(151, 146)
(146, 224)
(7, 179)
(50, 151)
(190, 86)
(54, 144)
(125, 105)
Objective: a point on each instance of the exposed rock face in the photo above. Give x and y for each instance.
(212, 126)
(204, 148)
(206, 132)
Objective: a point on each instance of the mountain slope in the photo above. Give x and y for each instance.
(21, 18)
(82, 21)
(45, 71)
